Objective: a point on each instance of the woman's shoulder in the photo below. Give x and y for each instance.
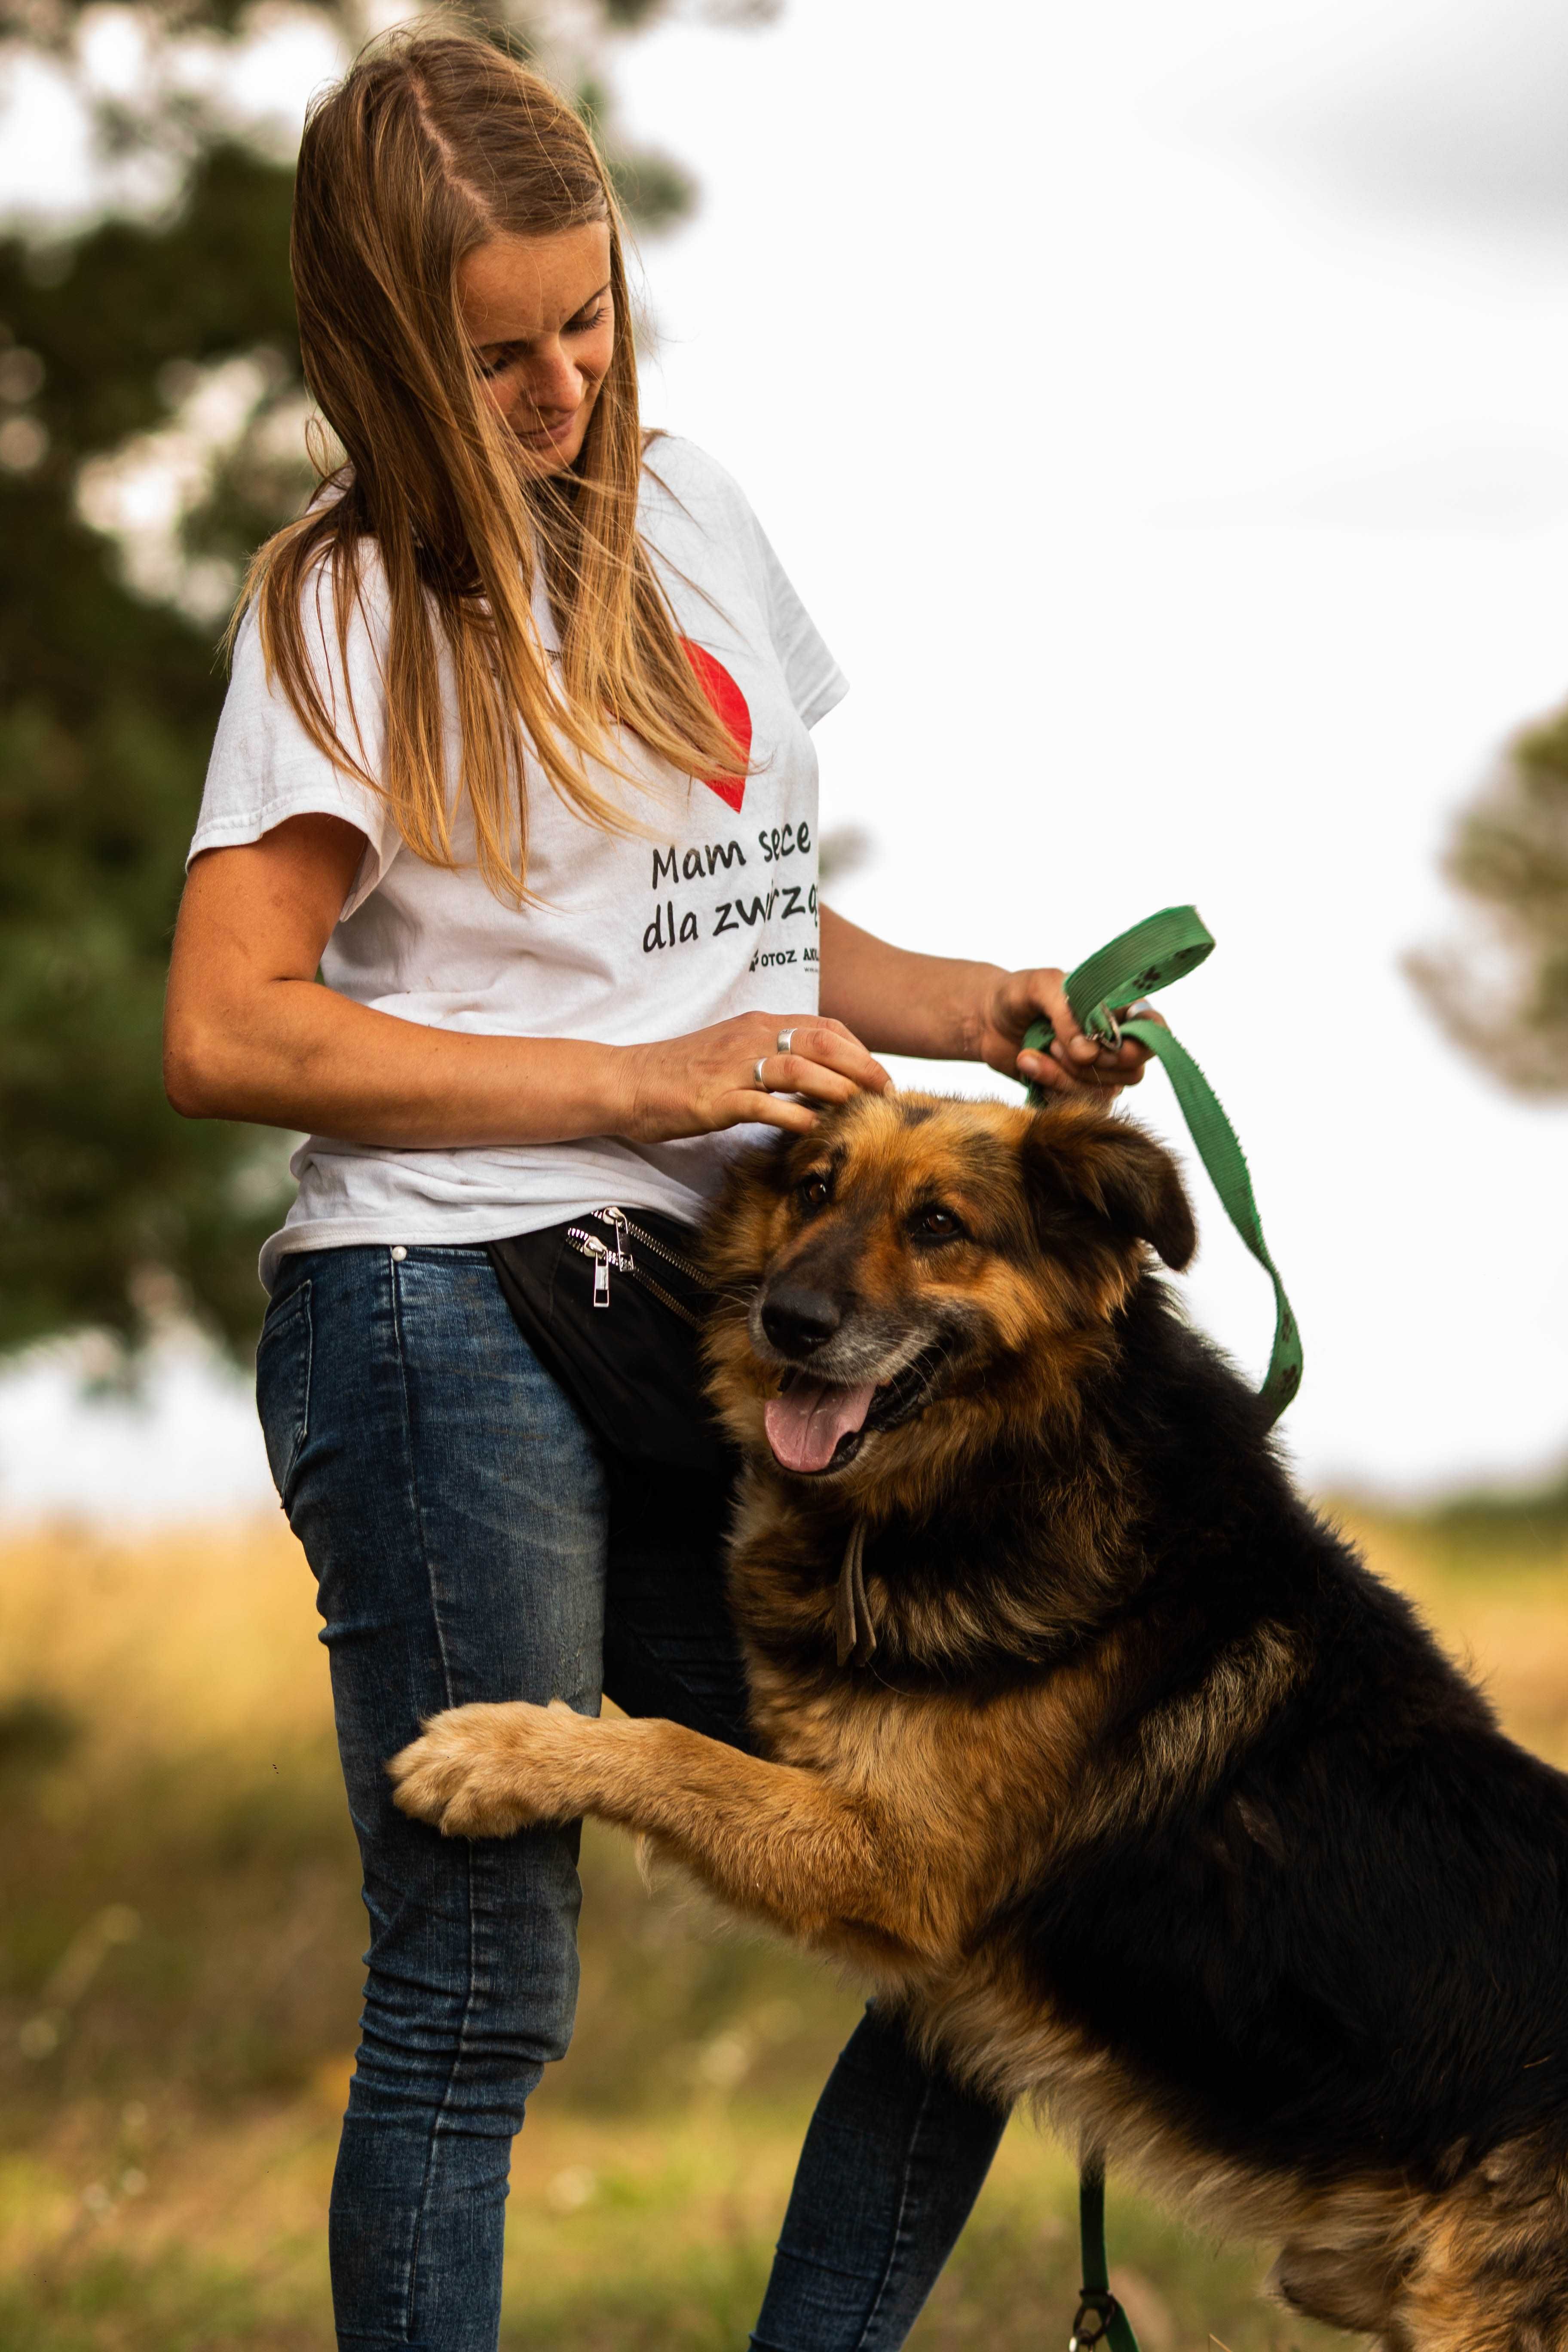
(347, 578)
(678, 473)
(335, 636)
(342, 602)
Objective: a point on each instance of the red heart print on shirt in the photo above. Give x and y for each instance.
(729, 706)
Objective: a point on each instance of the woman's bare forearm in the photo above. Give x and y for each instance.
(296, 1053)
(944, 1010)
(251, 1033)
(898, 1002)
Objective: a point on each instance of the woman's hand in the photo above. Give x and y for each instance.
(699, 1084)
(945, 1010)
(1072, 1064)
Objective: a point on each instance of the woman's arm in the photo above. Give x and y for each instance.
(944, 1010)
(251, 1033)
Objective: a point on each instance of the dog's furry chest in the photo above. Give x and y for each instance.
(971, 1790)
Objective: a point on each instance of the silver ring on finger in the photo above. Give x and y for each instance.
(786, 1040)
(757, 1078)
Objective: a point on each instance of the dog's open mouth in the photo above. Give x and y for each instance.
(816, 1425)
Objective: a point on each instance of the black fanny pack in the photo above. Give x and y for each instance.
(612, 1305)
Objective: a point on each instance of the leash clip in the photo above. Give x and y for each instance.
(1093, 2324)
(1104, 1027)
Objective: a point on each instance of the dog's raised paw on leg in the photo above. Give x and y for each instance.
(486, 1770)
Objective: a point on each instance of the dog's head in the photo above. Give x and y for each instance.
(919, 1266)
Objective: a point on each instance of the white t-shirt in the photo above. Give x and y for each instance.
(708, 911)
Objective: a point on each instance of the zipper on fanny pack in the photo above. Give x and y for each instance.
(624, 1230)
(622, 1260)
(590, 1245)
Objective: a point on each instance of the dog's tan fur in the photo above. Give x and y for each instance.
(892, 1825)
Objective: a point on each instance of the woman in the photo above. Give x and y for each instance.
(516, 752)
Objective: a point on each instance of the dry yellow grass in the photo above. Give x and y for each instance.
(175, 1837)
(166, 1643)
(1502, 1611)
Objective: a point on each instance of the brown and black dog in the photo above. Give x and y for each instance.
(1086, 1741)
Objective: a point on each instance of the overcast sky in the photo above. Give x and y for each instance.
(1160, 411)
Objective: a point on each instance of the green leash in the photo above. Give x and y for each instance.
(1100, 2318)
(1151, 955)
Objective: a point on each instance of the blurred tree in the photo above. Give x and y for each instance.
(152, 417)
(1504, 996)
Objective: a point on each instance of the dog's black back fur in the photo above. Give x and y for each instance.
(1356, 1953)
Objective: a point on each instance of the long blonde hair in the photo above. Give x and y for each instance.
(431, 146)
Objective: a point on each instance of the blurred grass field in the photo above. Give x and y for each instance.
(180, 1933)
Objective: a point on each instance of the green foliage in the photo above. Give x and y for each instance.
(1506, 1000)
(651, 188)
(625, 16)
(111, 682)
(108, 703)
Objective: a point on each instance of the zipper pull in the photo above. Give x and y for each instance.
(620, 1225)
(590, 1245)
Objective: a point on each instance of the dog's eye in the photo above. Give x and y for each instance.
(938, 1225)
(815, 1192)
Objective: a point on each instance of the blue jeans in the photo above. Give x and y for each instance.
(470, 1542)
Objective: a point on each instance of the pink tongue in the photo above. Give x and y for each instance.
(804, 1427)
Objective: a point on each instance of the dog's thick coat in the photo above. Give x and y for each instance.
(1150, 1802)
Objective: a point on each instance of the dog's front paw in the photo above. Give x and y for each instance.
(487, 1770)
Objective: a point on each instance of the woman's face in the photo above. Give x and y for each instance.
(539, 315)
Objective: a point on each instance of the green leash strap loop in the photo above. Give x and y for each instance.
(1100, 2318)
(1151, 955)
(1161, 949)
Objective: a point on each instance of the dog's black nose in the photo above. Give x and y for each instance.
(796, 1320)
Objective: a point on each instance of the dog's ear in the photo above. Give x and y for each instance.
(1087, 1159)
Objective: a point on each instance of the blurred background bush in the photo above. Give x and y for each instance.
(179, 1917)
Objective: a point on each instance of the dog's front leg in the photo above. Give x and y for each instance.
(769, 1838)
